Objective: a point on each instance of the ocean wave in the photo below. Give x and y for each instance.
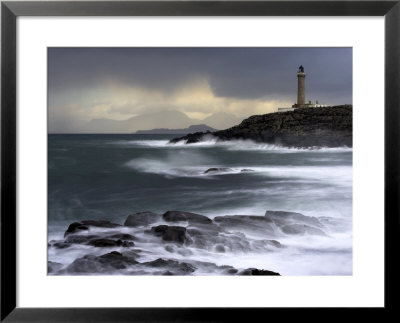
(232, 145)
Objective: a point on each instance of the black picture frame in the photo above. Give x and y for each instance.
(10, 10)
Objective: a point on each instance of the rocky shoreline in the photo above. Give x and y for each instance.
(129, 249)
(301, 128)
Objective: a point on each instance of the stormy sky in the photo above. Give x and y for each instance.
(119, 83)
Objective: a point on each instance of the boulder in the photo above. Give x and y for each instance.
(177, 216)
(250, 224)
(302, 229)
(257, 272)
(173, 266)
(110, 243)
(214, 170)
(61, 245)
(141, 218)
(171, 233)
(81, 239)
(246, 170)
(282, 218)
(103, 264)
(77, 227)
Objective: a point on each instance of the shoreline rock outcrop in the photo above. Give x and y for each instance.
(303, 127)
(103, 247)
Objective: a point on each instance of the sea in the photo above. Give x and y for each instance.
(110, 176)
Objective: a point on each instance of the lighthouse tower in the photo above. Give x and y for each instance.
(301, 91)
(301, 94)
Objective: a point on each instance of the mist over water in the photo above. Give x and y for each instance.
(108, 177)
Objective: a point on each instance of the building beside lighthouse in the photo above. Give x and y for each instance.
(301, 94)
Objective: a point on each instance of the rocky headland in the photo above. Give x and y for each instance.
(164, 244)
(304, 127)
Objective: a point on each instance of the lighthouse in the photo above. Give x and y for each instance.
(301, 91)
(301, 94)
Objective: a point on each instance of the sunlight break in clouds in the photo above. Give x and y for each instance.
(120, 101)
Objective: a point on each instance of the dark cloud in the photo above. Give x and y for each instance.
(242, 73)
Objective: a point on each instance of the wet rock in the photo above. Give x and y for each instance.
(302, 229)
(177, 216)
(219, 248)
(175, 267)
(249, 224)
(53, 267)
(246, 170)
(263, 245)
(167, 233)
(61, 245)
(257, 272)
(167, 273)
(281, 218)
(169, 248)
(81, 239)
(122, 236)
(208, 240)
(214, 169)
(104, 264)
(75, 227)
(110, 243)
(141, 218)
(231, 271)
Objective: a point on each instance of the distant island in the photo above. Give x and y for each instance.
(167, 119)
(304, 127)
(191, 129)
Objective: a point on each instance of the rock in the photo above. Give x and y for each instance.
(177, 216)
(257, 272)
(282, 218)
(221, 169)
(302, 229)
(169, 249)
(103, 264)
(75, 227)
(303, 127)
(246, 223)
(231, 271)
(175, 267)
(110, 243)
(61, 245)
(122, 236)
(81, 239)
(171, 233)
(53, 267)
(84, 225)
(219, 248)
(246, 170)
(141, 218)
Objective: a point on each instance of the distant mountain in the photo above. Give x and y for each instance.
(222, 120)
(159, 120)
(191, 129)
(163, 119)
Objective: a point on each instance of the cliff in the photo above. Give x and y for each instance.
(305, 127)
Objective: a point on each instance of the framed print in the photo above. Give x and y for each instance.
(156, 156)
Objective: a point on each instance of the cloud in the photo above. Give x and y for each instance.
(119, 102)
(118, 83)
